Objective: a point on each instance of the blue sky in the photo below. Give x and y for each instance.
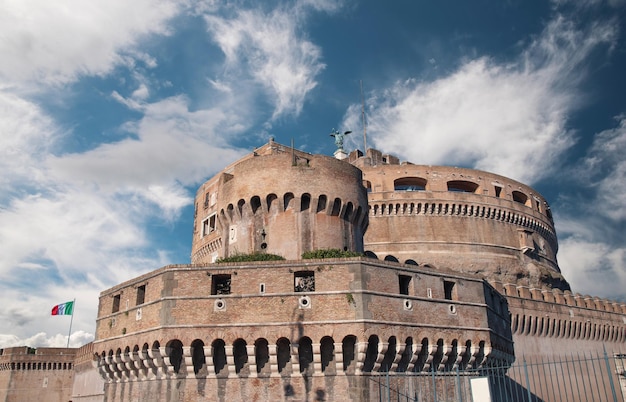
(112, 113)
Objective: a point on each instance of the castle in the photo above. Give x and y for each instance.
(459, 273)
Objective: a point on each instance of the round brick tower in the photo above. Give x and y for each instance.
(280, 201)
(461, 219)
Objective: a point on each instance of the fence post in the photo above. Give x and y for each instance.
(434, 384)
(527, 381)
(458, 384)
(388, 387)
(610, 374)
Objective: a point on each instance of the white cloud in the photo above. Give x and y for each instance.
(54, 42)
(594, 268)
(592, 253)
(43, 340)
(28, 134)
(505, 118)
(274, 53)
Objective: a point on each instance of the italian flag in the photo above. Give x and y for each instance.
(63, 309)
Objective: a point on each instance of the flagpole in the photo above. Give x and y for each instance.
(71, 320)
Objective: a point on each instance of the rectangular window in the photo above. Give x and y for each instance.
(498, 191)
(206, 200)
(405, 284)
(304, 281)
(141, 294)
(116, 303)
(209, 225)
(220, 284)
(448, 290)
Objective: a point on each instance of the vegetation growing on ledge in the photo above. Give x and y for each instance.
(329, 253)
(256, 256)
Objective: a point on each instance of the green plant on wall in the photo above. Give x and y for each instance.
(329, 253)
(350, 299)
(256, 256)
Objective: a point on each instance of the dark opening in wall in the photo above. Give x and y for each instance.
(448, 290)
(520, 197)
(304, 281)
(174, 349)
(116, 303)
(220, 284)
(305, 354)
(405, 284)
(287, 201)
(336, 207)
(270, 201)
(371, 354)
(255, 203)
(368, 185)
(498, 191)
(141, 294)
(462, 186)
(321, 203)
(348, 346)
(409, 184)
(240, 354)
(262, 356)
(305, 202)
(219, 356)
(283, 353)
(327, 352)
(197, 356)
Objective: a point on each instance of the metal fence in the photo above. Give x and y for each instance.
(574, 378)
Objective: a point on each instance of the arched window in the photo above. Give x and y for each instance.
(262, 356)
(371, 354)
(305, 354)
(336, 207)
(287, 201)
(219, 357)
(391, 258)
(174, 350)
(409, 184)
(255, 203)
(305, 202)
(321, 203)
(462, 186)
(348, 346)
(327, 351)
(390, 355)
(240, 354)
(283, 354)
(197, 356)
(370, 254)
(270, 199)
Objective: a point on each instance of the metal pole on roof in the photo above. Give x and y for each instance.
(363, 119)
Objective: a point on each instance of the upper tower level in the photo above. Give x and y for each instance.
(281, 201)
(463, 219)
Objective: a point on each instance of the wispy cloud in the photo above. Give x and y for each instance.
(269, 49)
(505, 117)
(55, 42)
(593, 228)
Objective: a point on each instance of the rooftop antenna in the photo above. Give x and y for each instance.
(363, 119)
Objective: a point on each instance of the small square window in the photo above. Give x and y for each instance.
(209, 225)
(405, 284)
(116, 303)
(448, 289)
(304, 281)
(141, 294)
(220, 284)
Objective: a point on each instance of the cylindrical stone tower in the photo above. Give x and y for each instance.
(280, 201)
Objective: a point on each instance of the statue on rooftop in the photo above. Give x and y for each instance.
(339, 138)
